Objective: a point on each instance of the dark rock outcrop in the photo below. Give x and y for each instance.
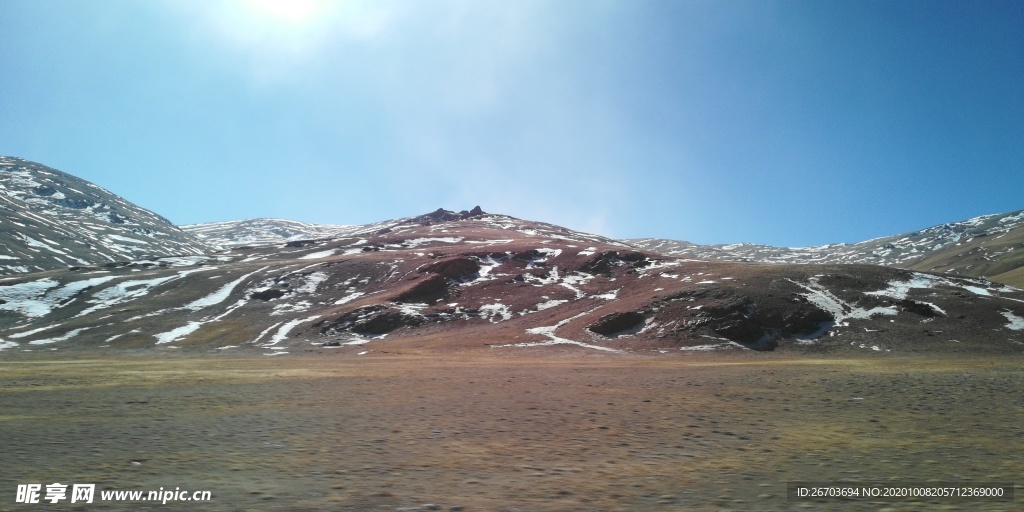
(757, 321)
(614, 323)
(385, 322)
(735, 318)
(427, 291)
(442, 215)
(921, 308)
(527, 256)
(269, 294)
(370, 320)
(456, 268)
(605, 262)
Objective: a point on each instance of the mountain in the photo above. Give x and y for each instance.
(987, 247)
(994, 251)
(89, 271)
(259, 232)
(52, 220)
(478, 281)
(263, 232)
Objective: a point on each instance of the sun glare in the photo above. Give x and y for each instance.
(278, 38)
(295, 13)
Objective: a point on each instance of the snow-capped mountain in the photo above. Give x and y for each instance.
(466, 280)
(52, 220)
(264, 232)
(447, 281)
(980, 247)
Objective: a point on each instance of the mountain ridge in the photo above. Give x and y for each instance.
(53, 220)
(937, 248)
(477, 281)
(269, 231)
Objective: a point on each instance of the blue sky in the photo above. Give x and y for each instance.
(786, 123)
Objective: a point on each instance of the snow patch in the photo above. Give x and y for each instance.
(348, 298)
(550, 304)
(712, 347)
(838, 308)
(491, 242)
(416, 242)
(33, 331)
(976, 290)
(282, 333)
(553, 339)
(549, 253)
(312, 282)
(220, 295)
(127, 290)
(317, 255)
(67, 336)
(491, 312)
(899, 289)
(291, 307)
(265, 331)
(34, 298)
(1016, 322)
(186, 261)
(126, 239)
(176, 334)
(487, 264)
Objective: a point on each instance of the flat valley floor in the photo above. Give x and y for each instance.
(554, 431)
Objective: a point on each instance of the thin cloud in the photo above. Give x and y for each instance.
(277, 40)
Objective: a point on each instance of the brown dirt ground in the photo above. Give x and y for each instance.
(550, 431)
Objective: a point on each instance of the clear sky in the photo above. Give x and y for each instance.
(786, 123)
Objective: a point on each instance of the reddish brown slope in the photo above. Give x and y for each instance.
(495, 283)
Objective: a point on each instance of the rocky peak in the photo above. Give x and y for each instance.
(442, 215)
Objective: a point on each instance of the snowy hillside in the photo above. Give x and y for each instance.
(903, 251)
(53, 220)
(265, 232)
(445, 281)
(88, 271)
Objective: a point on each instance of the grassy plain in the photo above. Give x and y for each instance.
(551, 432)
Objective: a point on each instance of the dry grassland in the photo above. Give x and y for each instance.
(498, 433)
